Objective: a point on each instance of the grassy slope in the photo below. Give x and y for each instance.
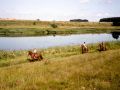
(69, 70)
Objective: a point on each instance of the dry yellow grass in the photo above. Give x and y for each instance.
(91, 71)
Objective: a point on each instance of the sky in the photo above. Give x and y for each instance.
(59, 10)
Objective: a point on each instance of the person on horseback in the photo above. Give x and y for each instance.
(84, 45)
(102, 47)
(84, 48)
(35, 54)
(35, 51)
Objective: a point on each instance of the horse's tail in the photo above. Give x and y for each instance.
(41, 57)
(87, 49)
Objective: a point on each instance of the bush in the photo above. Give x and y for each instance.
(6, 54)
(54, 25)
(34, 23)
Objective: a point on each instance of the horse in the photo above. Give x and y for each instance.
(35, 56)
(84, 49)
(102, 47)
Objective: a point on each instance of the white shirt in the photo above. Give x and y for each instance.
(84, 45)
(35, 51)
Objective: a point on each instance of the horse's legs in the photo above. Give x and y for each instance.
(82, 50)
(41, 57)
(87, 50)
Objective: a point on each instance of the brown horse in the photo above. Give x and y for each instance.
(84, 49)
(35, 56)
(102, 47)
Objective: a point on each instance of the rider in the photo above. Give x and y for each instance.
(35, 53)
(84, 48)
(84, 45)
(102, 47)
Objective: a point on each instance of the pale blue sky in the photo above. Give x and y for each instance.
(63, 10)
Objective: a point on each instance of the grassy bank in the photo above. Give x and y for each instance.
(8, 57)
(66, 69)
(38, 28)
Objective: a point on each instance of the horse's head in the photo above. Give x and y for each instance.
(29, 52)
(82, 46)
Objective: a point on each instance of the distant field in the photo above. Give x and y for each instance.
(65, 69)
(38, 28)
(34, 23)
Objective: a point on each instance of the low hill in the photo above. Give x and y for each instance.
(90, 71)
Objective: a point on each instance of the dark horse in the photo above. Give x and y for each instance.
(102, 47)
(84, 49)
(35, 56)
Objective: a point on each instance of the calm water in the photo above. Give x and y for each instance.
(17, 43)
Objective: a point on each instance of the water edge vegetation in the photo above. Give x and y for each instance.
(40, 28)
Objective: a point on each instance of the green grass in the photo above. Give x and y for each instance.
(51, 53)
(64, 68)
(38, 28)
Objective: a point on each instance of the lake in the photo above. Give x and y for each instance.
(21, 43)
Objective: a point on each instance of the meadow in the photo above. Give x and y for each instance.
(40, 28)
(63, 68)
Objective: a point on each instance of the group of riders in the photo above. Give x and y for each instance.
(38, 56)
(102, 47)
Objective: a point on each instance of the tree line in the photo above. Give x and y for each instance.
(78, 20)
(115, 20)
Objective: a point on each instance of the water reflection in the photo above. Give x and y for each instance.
(17, 43)
(115, 35)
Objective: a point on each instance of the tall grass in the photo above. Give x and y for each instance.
(8, 57)
(91, 71)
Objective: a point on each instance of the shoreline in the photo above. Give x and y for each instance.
(58, 50)
(42, 28)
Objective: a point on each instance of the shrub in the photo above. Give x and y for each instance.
(54, 25)
(34, 23)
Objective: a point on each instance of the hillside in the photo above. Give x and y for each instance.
(70, 70)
